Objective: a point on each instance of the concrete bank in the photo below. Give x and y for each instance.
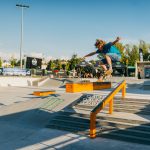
(17, 81)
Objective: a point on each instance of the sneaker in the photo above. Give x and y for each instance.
(108, 72)
(100, 80)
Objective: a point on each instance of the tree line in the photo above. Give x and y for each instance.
(129, 53)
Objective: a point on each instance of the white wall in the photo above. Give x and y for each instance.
(17, 81)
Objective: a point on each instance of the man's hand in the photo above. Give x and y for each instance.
(118, 38)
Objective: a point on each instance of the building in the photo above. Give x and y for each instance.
(143, 69)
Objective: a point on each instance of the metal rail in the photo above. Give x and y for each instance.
(102, 104)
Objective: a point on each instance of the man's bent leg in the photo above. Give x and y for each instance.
(109, 62)
(104, 67)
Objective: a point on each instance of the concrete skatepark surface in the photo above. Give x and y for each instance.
(23, 119)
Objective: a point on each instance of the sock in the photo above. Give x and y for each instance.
(110, 67)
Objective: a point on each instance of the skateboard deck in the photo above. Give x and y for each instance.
(105, 76)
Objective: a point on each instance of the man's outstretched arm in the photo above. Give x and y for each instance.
(90, 54)
(117, 40)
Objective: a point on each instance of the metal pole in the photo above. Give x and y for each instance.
(21, 41)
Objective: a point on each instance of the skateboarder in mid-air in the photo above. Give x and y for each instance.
(107, 53)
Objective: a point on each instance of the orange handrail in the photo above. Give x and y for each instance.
(102, 104)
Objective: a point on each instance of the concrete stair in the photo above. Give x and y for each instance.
(137, 106)
(127, 123)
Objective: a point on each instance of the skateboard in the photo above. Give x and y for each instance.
(105, 75)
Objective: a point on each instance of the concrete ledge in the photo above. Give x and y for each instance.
(146, 85)
(16, 81)
(43, 93)
(40, 81)
(86, 86)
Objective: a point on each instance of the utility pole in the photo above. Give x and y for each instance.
(21, 40)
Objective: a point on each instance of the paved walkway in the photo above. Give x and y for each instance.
(23, 123)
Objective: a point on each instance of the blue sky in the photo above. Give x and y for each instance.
(60, 28)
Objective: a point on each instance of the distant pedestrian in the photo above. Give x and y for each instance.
(139, 73)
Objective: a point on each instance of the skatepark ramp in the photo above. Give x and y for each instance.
(130, 120)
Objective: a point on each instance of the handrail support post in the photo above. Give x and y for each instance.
(124, 91)
(111, 106)
(93, 125)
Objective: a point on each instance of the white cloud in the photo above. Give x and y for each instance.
(34, 54)
(64, 57)
(41, 55)
(8, 55)
(48, 58)
(129, 41)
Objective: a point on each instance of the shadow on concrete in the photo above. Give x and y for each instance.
(29, 128)
(25, 129)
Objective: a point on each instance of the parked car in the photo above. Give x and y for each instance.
(147, 72)
(119, 69)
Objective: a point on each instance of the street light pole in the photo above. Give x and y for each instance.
(21, 40)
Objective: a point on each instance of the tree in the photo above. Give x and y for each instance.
(74, 61)
(144, 46)
(0, 62)
(13, 61)
(120, 47)
(93, 62)
(18, 63)
(122, 50)
(50, 65)
(146, 57)
(125, 54)
(64, 66)
(133, 55)
(67, 65)
(58, 64)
